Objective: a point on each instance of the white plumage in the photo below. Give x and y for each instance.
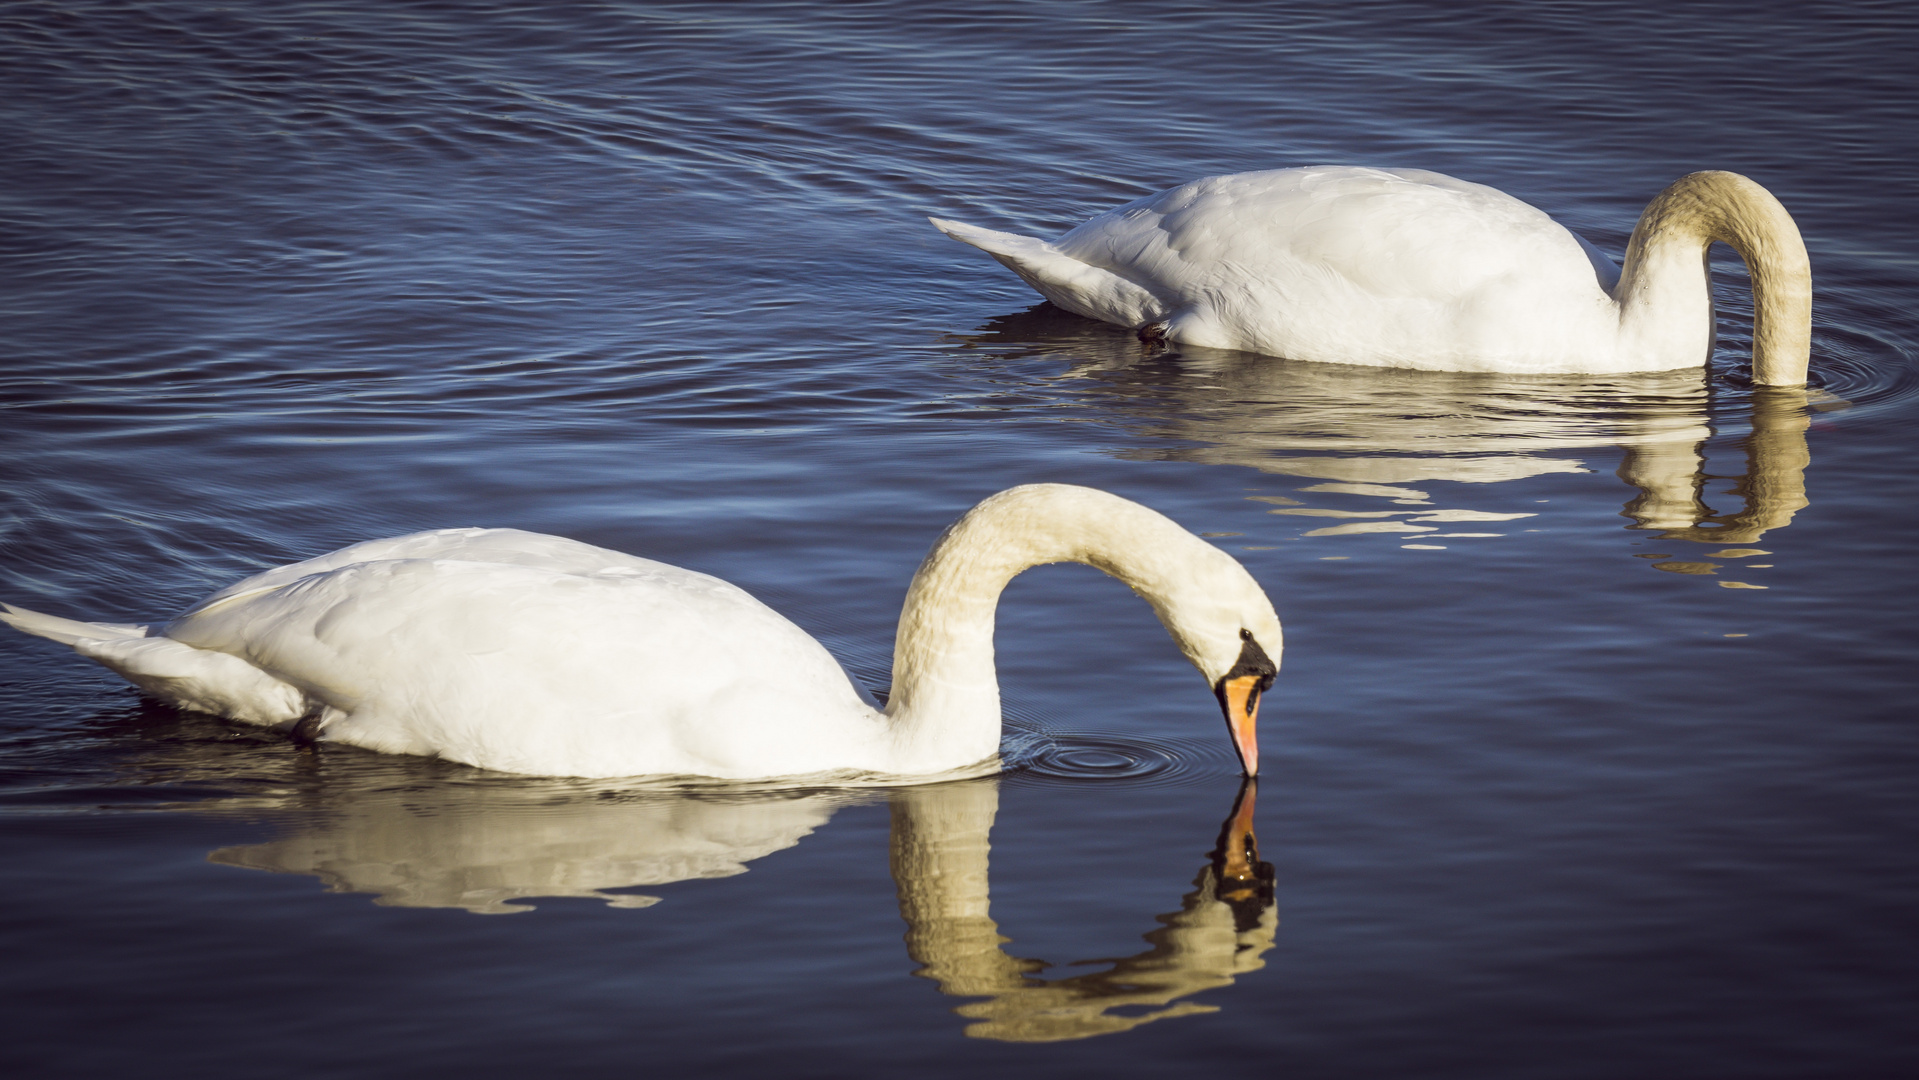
(1413, 269)
(536, 654)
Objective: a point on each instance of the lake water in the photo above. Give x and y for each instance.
(1606, 771)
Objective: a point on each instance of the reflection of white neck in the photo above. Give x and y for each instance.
(1670, 477)
(945, 696)
(1665, 294)
(940, 864)
(940, 846)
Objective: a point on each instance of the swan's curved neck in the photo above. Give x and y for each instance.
(944, 704)
(1664, 285)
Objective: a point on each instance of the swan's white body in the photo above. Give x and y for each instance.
(536, 654)
(1412, 269)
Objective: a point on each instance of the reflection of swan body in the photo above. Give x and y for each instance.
(535, 654)
(1377, 426)
(1466, 428)
(482, 848)
(940, 848)
(1354, 425)
(1405, 268)
(490, 846)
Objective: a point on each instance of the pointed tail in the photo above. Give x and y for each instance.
(1081, 288)
(65, 631)
(171, 670)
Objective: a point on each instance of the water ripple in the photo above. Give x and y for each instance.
(1104, 757)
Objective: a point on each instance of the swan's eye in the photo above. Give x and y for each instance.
(1253, 661)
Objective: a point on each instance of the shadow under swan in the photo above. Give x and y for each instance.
(1382, 427)
(940, 844)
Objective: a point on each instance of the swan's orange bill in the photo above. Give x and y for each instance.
(1240, 700)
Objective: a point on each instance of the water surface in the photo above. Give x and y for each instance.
(1592, 751)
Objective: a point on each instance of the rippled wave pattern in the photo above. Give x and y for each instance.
(1590, 755)
(1100, 757)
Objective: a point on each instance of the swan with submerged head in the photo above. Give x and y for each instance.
(536, 654)
(1413, 269)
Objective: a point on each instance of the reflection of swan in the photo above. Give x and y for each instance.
(1358, 425)
(1223, 928)
(1368, 426)
(535, 654)
(1405, 268)
(483, 847)
(1773, 485)
(489, 846)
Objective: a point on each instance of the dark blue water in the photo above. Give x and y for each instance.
(1557, 783)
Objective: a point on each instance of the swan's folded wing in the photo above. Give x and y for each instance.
(644, 669)
(170, 670)
(202, 679)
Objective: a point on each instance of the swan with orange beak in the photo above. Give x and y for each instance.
(537, 654)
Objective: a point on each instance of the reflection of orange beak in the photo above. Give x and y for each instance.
(1239, 852)
(1239, 698)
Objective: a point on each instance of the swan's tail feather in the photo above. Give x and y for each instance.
(1000, 245)
(65, 631)
(1078, 287)
(171, 670)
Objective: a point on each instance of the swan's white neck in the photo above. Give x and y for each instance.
(944, 704)
(1665, 295)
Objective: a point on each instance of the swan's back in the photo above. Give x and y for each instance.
(536, 654)
(515, 547)
(1369, 266)
(1382, 267)
(1401, 233)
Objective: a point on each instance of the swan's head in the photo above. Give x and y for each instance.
(1216, 613)
(1239, 691)
(1223, 622)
